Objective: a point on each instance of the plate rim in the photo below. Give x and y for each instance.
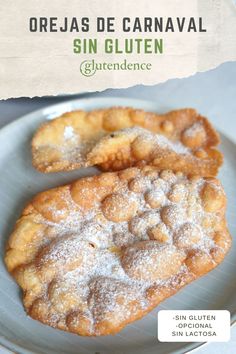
(52, 108)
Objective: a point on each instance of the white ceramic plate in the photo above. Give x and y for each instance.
(19, 182)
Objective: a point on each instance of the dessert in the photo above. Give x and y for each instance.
(99, 253)
(117, 138)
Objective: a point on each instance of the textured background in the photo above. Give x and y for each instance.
(44, 63)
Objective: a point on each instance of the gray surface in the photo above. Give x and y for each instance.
(212, 93)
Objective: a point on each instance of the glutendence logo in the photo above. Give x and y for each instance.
(91, 67)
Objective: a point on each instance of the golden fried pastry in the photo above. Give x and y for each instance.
(117, 138)
(97, 254)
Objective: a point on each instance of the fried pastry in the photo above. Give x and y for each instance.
(117, 138)
(100, 253)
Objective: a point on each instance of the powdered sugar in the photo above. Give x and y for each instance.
(86, 248)
(89, 256)
(158, 140)
(76, 149)
(69, 133)
(194, 130)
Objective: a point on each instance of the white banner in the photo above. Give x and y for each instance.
(61, 46)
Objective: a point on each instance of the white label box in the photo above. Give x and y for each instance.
(193, 326)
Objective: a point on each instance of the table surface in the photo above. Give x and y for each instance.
(212, 93)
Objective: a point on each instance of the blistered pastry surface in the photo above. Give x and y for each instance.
(117, 138)
(100, 253)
